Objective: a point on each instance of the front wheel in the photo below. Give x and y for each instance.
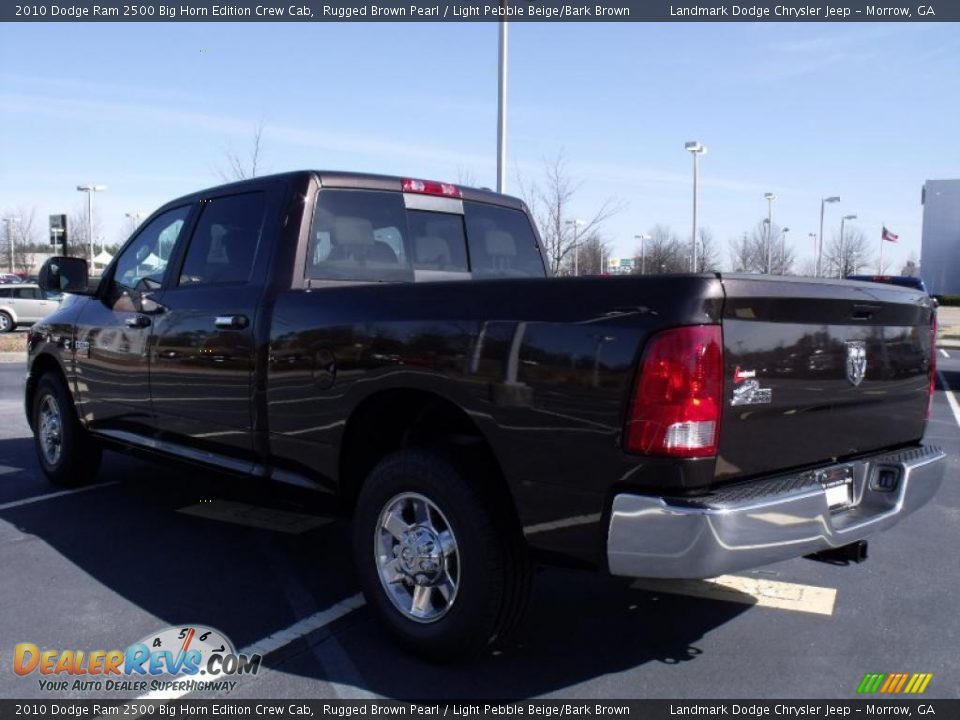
(67, 454)
(440, 562)
(6, 322)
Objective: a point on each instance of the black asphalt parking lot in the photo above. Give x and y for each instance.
(102, 568)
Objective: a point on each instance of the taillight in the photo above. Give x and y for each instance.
(678, 396)
(429, 187)
(933, 364)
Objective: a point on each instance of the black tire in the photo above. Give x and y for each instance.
(6, 322)
(78, 459)
(492, 566)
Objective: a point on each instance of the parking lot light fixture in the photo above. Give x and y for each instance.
(643, 251)
(8, 221)
(823, 204)
(842, 259)
(783, 252)
(90, 189)
(769, 197)
(576, 245)
(696, 149)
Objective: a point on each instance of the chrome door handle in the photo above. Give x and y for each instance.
(136, 321)
(231, 322)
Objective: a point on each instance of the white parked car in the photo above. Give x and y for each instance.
(24, 304)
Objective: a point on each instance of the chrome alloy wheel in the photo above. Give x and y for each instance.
(4, 322)
(417, 557)
(50, 430)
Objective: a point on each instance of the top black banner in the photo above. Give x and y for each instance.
(479, 11)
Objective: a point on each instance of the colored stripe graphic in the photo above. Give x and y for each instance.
(870, 683)
(894, 683)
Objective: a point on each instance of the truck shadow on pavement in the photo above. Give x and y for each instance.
(147, 561)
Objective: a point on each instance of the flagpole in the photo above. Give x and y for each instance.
(880, 266)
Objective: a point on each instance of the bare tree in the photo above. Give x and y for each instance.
(594, 252)
(466, 177)
(550, 203)
(662, 253)
(910, 268)
(22, 237)
(762, 250)
(707, 252)
(78, 237)
(741, 254)
(851, 258)
(239, 168)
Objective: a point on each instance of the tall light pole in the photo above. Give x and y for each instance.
(823, 203)
(90, 189)
(695, 149)
(502, 107)
(576, 245)
(842, 259)
(769, 197)
(8, 221)
(783, 252)
(134, 218)
(643, 251)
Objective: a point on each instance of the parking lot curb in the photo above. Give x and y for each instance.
(13, 357)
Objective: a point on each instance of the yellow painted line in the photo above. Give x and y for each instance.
(257, 517)
(749, 591)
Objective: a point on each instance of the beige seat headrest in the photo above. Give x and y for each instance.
(352, 231)
(499, 242)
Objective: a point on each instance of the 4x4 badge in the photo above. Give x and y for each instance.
(747, 390)
(856, 361)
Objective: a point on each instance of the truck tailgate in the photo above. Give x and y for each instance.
(820, 370)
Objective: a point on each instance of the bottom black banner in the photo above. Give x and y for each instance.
(479, 709)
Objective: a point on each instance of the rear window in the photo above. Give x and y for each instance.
(502, 243)
(359, 235)
(365, 235)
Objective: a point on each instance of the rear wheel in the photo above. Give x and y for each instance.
(441, 565)
(67, 454)
(6, 322)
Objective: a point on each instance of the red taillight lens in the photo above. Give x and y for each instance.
(933, 364)
(429, 187)
(678, 397)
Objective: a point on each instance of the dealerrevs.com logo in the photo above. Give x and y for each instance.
(192, 657)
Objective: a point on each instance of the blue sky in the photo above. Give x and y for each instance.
(867, 112)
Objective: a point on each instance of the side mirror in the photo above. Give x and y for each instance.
(65, 274)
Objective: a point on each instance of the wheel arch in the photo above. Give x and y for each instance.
(391, 420)
(10, 311)
(42, 364)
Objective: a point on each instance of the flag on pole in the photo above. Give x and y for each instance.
(889, 236)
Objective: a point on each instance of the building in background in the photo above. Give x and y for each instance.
(940, 250)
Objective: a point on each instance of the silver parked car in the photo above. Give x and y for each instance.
(24, 304)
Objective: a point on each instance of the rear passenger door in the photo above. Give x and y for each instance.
(32, 305)
(203, 344)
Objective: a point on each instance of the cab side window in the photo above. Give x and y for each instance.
(225, 241)
(143, 262)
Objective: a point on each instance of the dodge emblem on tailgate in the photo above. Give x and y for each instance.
(856, 361)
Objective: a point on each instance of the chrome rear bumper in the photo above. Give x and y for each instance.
(764, 521)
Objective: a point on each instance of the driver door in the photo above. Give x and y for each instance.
(113, 331)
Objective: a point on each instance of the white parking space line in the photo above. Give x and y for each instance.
(944, 353)
(51, 496)
(749, 591)
(951, 399)
(257, 517)
(273, 643)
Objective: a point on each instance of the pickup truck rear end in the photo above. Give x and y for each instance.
(397, 342)
(826, 391)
